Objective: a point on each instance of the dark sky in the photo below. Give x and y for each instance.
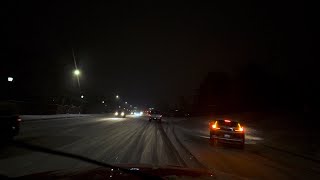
(145, 52)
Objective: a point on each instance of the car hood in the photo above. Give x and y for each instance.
(164, 172)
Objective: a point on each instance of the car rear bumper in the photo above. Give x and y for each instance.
(228, 137)
(228, 140)
(155, 118)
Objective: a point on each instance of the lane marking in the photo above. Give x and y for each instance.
(254, 138)
(206, 137)
(195, 159)
(170, 145)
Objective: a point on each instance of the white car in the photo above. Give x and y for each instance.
(155, 115)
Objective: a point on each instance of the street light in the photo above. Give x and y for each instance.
(82, 96)
(102, 102)
(10, 79)
(126, 102)
(117, 96)
(76, 72)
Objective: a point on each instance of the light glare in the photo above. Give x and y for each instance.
(76, 72)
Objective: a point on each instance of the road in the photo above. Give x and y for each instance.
(135, 140)
(259, 159)
(105, 138)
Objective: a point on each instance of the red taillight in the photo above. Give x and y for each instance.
(240, 129)
(214, 126)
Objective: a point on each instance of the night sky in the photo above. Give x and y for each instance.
(145, 51)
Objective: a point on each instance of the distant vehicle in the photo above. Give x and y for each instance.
(155, 115)
(9, 121)
(227, 131)
(138, 113)
(122, 114)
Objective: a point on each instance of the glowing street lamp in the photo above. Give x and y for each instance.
(117, 96)
(82, 96)
(10, 79)
(126, 102)
(76, 72)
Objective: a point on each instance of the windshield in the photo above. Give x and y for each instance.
(112, 84)
(155, 112)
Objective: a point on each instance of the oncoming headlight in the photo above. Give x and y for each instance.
(122, 113)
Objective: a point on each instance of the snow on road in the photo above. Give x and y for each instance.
(256, 161)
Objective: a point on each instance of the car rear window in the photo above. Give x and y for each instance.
(229, 124)
(155, 112)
